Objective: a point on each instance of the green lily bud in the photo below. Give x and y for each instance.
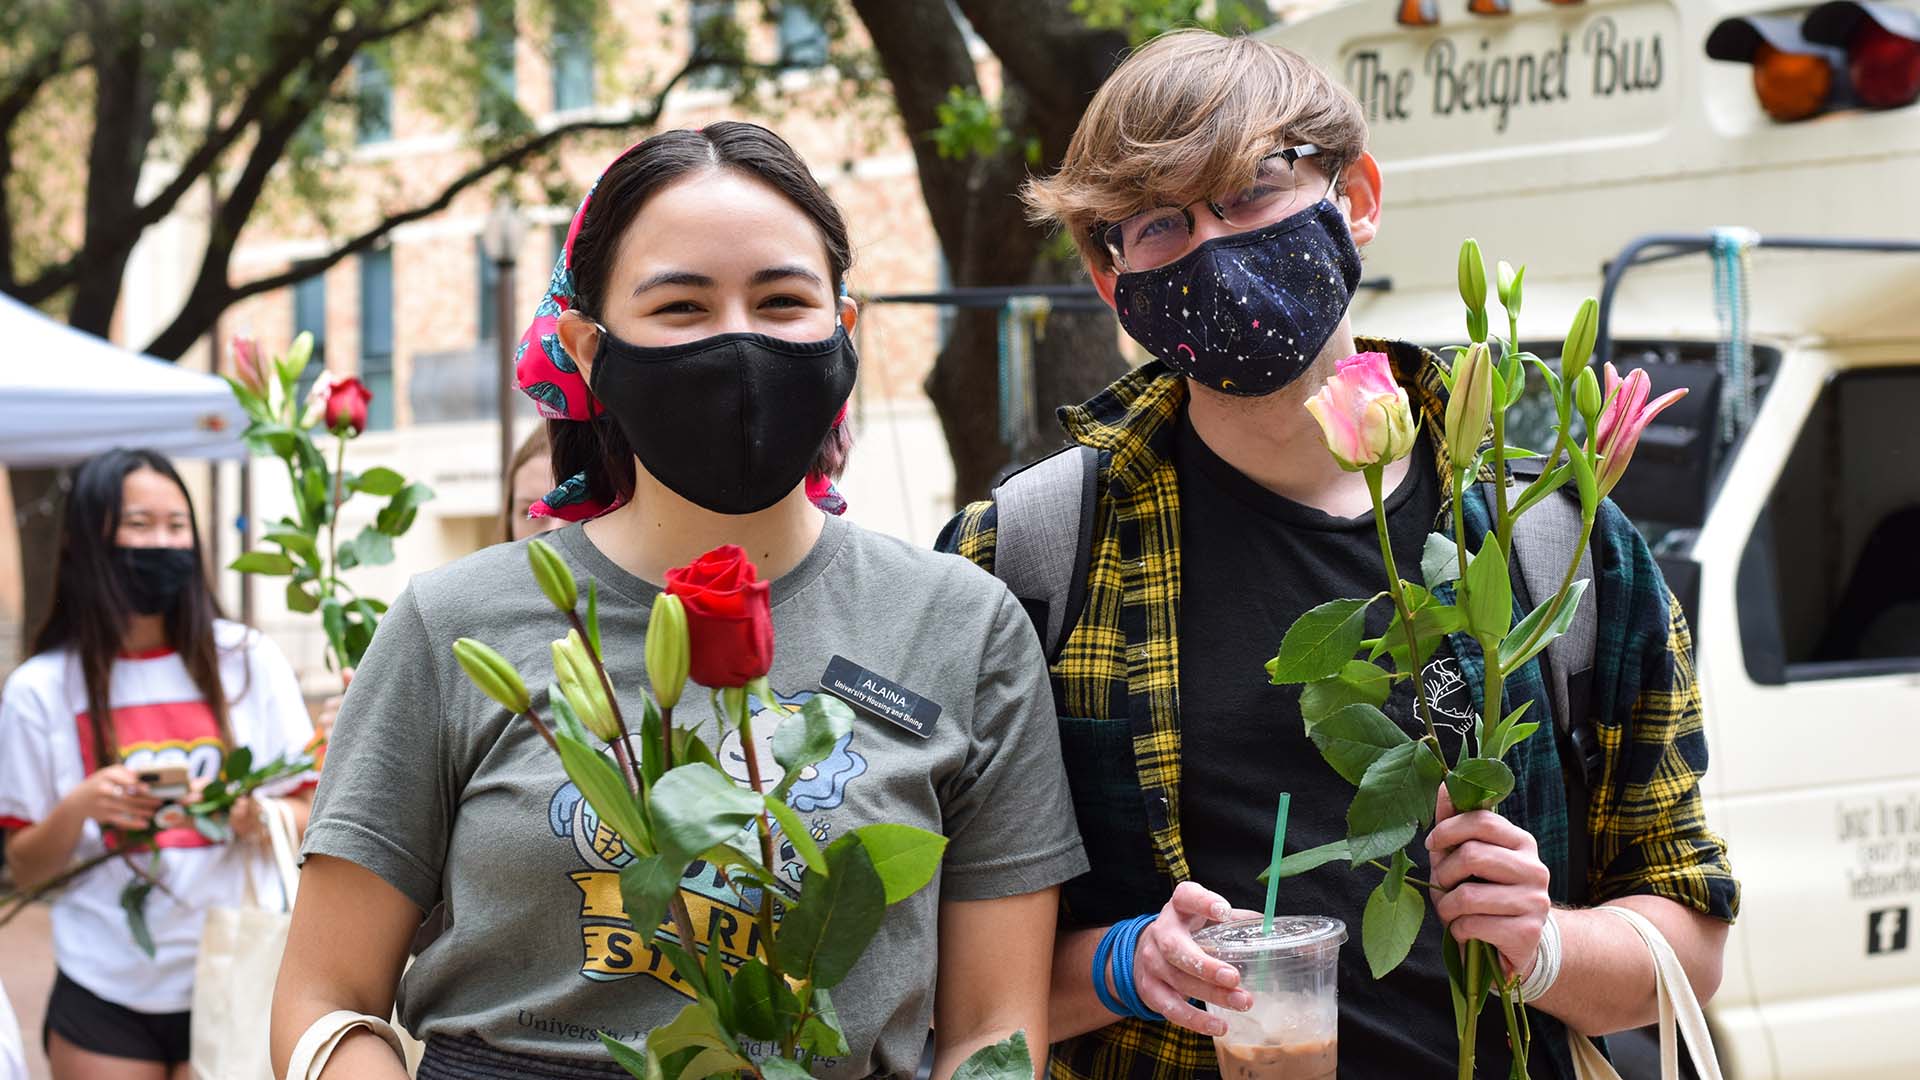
(1510, 281)
(551, 571)
(1586, 395)
(1581, 336)
(668, 651)
(1473, 276)
(1470, 405)
(298, 354)
(579, 680)
(491, 672)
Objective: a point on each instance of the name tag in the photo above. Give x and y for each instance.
(883, 698)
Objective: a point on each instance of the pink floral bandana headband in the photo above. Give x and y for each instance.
(559, 390)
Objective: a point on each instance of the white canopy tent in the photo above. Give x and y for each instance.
(66, 395)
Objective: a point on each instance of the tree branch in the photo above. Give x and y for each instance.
(13, 103)
(1048, 48)
(201, 307)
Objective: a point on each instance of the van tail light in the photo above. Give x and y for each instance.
(1883, 49)
(1793, 77)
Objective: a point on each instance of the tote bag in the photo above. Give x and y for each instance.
(1679, 1008)
(238, 964)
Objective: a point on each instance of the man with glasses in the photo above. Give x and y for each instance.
(1220, 192)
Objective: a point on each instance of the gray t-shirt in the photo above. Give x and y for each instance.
(433, 787)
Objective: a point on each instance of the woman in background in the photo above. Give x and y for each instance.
(135, 677)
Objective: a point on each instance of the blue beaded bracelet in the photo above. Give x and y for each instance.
(1117, 947)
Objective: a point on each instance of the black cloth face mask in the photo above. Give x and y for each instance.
(154, 577)
(730, 423)
(1246, 314)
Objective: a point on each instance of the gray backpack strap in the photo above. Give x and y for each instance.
(1543, 540)
(1043, 539)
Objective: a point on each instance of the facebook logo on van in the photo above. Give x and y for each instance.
(1887, 930)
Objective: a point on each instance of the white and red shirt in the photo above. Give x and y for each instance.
(159, 718)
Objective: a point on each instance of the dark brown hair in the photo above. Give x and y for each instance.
(599, 448)
(91, 610)
(535, 445)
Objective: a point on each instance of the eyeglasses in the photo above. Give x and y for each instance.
(1156, 237)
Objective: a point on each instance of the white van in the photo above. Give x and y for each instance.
(1601, 145)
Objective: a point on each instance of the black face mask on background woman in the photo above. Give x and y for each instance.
(730, 423)
(154, 577)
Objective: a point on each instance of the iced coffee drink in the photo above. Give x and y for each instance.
(1292, 1030)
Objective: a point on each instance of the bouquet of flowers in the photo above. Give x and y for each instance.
(1367, 424)
(667, 797)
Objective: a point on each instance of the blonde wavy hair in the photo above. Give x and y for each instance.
(1189, 115)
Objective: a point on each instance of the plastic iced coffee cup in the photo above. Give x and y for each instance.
(1292, 1030)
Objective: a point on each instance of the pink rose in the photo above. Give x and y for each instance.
(1363, 414)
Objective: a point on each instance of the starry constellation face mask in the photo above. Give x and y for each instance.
(1246, 314)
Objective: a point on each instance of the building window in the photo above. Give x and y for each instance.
(572, 70)
(489, 286)
(495, 38)
(709, 22)
(373, 90)
(376, 335)
(310, 317)
(803, 40)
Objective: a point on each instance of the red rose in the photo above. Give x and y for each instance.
(347, 405)
(729, 618)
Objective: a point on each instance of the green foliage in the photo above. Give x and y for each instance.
(1390, 924)
(1320, 643)
(821, 939)
(808, 737)
(906, 858)
(970, 126)
(1354, 738)
(1145, 19)
(1007, 1060)
(1359, 683)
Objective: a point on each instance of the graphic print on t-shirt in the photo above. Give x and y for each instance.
(612, 948)
(168, 733)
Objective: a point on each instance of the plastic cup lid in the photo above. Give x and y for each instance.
(1247, 938)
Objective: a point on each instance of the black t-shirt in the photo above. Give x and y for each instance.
(1251, 563)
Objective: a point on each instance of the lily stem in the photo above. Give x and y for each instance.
(1374, 475)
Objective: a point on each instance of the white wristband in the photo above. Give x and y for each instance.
(1546, 962)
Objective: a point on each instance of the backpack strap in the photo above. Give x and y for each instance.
(1543, 540)
(1042, 540)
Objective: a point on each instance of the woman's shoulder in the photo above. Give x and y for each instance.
(39, 678)
(938, 575)
(488, 584)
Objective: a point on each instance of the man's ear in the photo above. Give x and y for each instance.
(1361, 200)
(849, 314)
(581, 338)
(1103, 279)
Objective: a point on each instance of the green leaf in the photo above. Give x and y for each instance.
(379, 481)
(797, 834)
(906, 858)
(1431, 626)
(133, 900)
(838, 915)
(301, 599)
(1352, 739)
(1359, 682)
(271, 563)
(1479, 784)
(822, 1033)
(333, 619)
(239, 762)
(1500, 739)
(1311, 859)
(1456, 983)
(1400, 786)
(1389, 925)
(600, 784)
(1511, 654)
(1440, 560)
(695, 807)
(1518, 734)
(808, 737)
(1489, 592)
(651, 743)
(762, 1003)
(373, 547)
(694, 1026)
(395, 518)
(1007, 1060)
(593, 618)
(1320, 642)
(1397, 870)
(647, 885)
(640, 1065)
(713, 1061)
(1381, 843)
(775, 1068)
(296, 544)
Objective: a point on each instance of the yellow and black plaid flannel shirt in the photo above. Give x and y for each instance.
(1117, 679)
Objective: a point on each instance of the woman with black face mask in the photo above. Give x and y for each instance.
(135, 690)
(694, 361)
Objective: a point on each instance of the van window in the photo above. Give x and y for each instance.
(1828, 585)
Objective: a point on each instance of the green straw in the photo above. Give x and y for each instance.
(1273, 871)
